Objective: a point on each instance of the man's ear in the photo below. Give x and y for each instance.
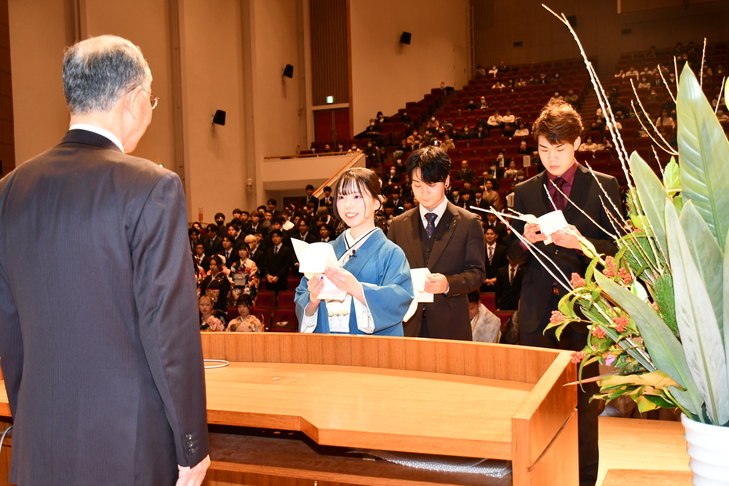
(448, 181)
(577, 143)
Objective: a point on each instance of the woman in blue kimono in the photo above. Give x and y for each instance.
(373, 271)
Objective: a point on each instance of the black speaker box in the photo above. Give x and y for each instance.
(405, 38)
(288, 71)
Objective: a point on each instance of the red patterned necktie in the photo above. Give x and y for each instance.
(559, 200)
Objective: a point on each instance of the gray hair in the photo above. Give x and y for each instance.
(98, 71)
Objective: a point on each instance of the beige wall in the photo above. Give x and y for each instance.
(387, 74)
(599, 27)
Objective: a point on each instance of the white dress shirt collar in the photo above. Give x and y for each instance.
(99, 131)
(439, 210)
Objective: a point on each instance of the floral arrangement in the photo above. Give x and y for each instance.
(656, 310)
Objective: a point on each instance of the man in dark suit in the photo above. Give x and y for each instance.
(495, 259)
(277, 262)
(448, 241)
(508, 286)
(479, 202)
(310, 198)
(104, 374)
(327, 199)
(302, 232)
(214, 243)
(557, 133)
(465, 173)
(491, 221)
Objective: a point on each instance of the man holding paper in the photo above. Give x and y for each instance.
(556, 234)
(444, 245)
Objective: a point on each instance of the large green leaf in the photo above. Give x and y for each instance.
(697, 324)
(652, 197)
(725, 323)
(705, 250)
(704, 154)
(663, 347)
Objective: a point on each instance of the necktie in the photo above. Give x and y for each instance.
(512, 271)
(430, 228)
(491, 254)
(275, 250)
(559, 200)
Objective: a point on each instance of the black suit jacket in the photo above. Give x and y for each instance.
(531, 198)
(458, 254)
(508, 293)
(104, 373)
(313, 200)
(498, 260)
(278, 264)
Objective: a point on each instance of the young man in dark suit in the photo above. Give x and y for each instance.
(557, 132)
(448, 241)
(112, 392)
(495, 259)
(508, 286)
(310, 198)
(277, 262)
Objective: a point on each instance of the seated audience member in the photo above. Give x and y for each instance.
(556, 96)
(397, 200)
(471, 105)
(721, 116)
(485, 325)
(465, 173)
(509, 198)
(572, 98)
(509, 118)
(465, 134)
(494, 120)
(508, 285)
(644, 83)
(494, 70)
(465, 199)
(413, 138)
(513, 173)
(455, 197)
(433, 123)
(479, 202)
(522, 131)
(467, 188)
(216, 284)
(372, 155)
(495, 258)
(480, 71)
(214, 243)
(480, 133)
(391, 178)
(402, 151)
(278, 260)
(325, 233)
(498, 85)
(588, 146)
(446, 145)
(523, 148)
(353, 148)
(195, 237)
(245, 322)
(406, 119)
(209, 321)
(632, 72)
(483, 104)
(665, 120)
(245, 275)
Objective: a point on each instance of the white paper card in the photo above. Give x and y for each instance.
(552, 222)
(419, 276)
(314, 258)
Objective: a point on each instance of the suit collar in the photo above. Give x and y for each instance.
(85, 137)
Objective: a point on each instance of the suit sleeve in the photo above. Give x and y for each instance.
(605, 244)
(164, 289)
(11, 342)
(474, 269)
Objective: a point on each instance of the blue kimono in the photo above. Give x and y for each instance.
(382, 269)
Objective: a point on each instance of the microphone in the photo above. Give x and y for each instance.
(353, 253)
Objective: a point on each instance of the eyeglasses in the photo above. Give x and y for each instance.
(153, 100)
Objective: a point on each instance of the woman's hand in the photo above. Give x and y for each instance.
(344, 280)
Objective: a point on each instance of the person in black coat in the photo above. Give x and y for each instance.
(508, 286)
(277, 262)
(495, 259)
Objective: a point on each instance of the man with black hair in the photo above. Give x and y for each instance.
(214, 242)
(557, 133)
(327, 199)
(448, 241)
(277, 262)
(310, 198)
(220, 223)
(271, 206)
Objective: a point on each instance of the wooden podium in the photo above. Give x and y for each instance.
(288, 405)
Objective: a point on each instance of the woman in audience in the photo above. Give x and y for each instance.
(522, 131)
(588, 146)
(665, 120)
(644, 84)
(245, 322)
(208, 320)
(373, 272)
(494, 70)
(245, 275)
(216, 284)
